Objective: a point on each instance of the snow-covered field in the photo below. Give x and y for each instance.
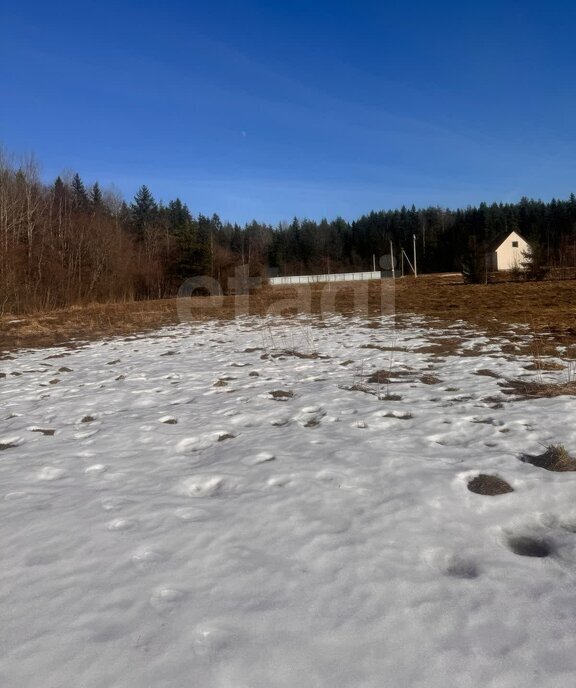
(167, 522)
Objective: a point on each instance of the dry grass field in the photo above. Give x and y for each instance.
(547, 309)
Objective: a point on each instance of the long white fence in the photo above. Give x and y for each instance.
(333, 277)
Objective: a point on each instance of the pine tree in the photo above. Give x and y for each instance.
(178, 216)
(143, 211)
(59, 191)
(534, 262)
(474, 265)
(96, 197)
(79, 195)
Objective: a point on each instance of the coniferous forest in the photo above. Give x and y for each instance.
(68, 243)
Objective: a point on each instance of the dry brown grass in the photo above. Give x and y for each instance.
(384, 348)
(547, 308)
(429, 379)
(296, 354)
(85, 323)
(534, 389)
(486, 372)
(555, 458)
(392, 376)
(358, 387)
(539, 364)
(380, 377)
(446, 346)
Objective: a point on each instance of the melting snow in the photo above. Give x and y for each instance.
(172, 532)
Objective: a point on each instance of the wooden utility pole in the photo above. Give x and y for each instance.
(415, 267)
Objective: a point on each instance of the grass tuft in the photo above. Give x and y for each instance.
(429, 379)
(531, 390)
(555, 458)
(486, 372)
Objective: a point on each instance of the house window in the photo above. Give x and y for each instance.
(514, 244)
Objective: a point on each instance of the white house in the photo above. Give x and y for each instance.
(506, 251)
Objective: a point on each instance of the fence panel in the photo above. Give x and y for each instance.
(333, 277)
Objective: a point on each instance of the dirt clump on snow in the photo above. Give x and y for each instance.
(490, 485)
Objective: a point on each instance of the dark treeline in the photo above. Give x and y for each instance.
(67, 243)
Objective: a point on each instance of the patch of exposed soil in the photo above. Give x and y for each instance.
(525, 546)
(490, 485)
(282, 394)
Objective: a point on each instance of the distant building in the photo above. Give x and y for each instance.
(506, 251)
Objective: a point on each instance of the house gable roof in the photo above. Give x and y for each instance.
(499, 239)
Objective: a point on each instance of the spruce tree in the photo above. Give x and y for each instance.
(79, 195)
(96, 196)
(143, 211)
(59, 191)
(178, 216)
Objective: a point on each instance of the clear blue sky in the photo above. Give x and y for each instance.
(269, 110)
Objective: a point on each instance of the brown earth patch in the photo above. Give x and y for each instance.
(282, 394)
(490, 485)
(384, 376)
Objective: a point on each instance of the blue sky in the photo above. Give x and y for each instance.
(313, 109)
